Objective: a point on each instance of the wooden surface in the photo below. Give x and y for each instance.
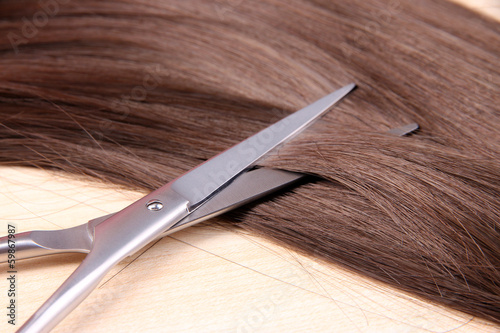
(489, 7)
(202, 279)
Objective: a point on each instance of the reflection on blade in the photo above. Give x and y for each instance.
(200, 183)
(248, 187)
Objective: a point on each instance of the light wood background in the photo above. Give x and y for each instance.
(202, 279)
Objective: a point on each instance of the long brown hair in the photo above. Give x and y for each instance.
(135, 94)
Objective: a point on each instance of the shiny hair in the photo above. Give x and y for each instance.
(135, 94)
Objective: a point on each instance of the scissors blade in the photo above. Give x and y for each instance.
(248, 187)
(202, 182)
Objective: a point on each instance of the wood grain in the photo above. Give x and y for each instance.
(203, 279)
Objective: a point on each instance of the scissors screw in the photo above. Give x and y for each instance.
(154, 205)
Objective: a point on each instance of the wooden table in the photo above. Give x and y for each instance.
(202, 279)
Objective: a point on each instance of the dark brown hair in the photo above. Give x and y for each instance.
(135, 94)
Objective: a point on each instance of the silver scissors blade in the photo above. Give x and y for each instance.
(201, 182)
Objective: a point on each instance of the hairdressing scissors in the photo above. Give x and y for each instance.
(224, 182)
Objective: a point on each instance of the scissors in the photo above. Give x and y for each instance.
(224, 182)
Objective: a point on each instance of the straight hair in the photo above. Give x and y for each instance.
(136, 93)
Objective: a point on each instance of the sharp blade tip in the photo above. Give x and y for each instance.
(341, 93)
(351, 86)
(404, 130)
(347, 89)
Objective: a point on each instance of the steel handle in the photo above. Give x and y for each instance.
(116, 238)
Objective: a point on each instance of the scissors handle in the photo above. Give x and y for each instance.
(69, 295)
(118, 237)
(24, 246)
(43, 242)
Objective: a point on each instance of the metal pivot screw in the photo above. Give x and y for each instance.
(154, 205)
